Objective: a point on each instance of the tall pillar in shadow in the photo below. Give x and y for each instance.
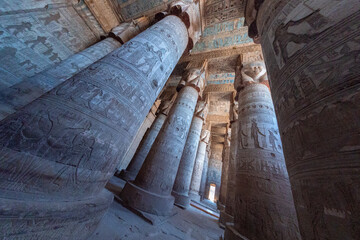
(227, 215)
(264, 206)
(312, 52)
(151, 190)
(204, 173)
(213, 180)
(183, 177)
(59, 151)
(146, 143)
(18, 95)
(198, 167)
(224, 171)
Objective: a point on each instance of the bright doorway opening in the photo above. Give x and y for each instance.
(212, 192)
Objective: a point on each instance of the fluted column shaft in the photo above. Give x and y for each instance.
(183, 177)
(58, 152)
(312, 53)
(198, 166)
(264, 207)
(143, 149)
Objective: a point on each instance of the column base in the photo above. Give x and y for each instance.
(181, 200)
(232, 234)
(28, 219)
(225, 218)
(143, 200)
(220, 206)
(194, 196)
(126, 175)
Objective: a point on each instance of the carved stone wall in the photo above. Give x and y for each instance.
(37, 34)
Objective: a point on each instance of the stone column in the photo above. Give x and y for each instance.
(214, 169)
(146, 144)
(18, 95)
(264, 207)
(183, 177)
(58, 152)
(146, 124)
(224, 171)
(204, 173)
(315, 81)
(199, 165)
(151, 190)
(227, 215)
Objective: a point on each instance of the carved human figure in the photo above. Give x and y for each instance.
(255, 131)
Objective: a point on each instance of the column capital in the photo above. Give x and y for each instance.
(251, 12)
(205, 136)
(201, 109)
(194, 76)
(250, 69)
(189, 12)
(165, 107)
(234, 114)
(127, 30)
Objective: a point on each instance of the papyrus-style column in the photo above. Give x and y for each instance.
(224, 171)
(18, 95)
(204, 173)
(264, 206)
(312, 51)
(183, 177)
(227, 215)
(199, 164)
(151, 190)
(145, 145)
(58, 152)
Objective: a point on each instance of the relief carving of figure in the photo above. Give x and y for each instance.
(255, 131)
(273, 140)
(179, 124)
(19, 28)
(242, 145)
(144, 55)
(283, 37)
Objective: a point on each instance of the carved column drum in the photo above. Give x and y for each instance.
(312, 51)
(264, 207)
(59, 151)
(134, 166)
(183, 177)
(198, 166)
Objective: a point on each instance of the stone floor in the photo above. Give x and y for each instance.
(120, 223)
